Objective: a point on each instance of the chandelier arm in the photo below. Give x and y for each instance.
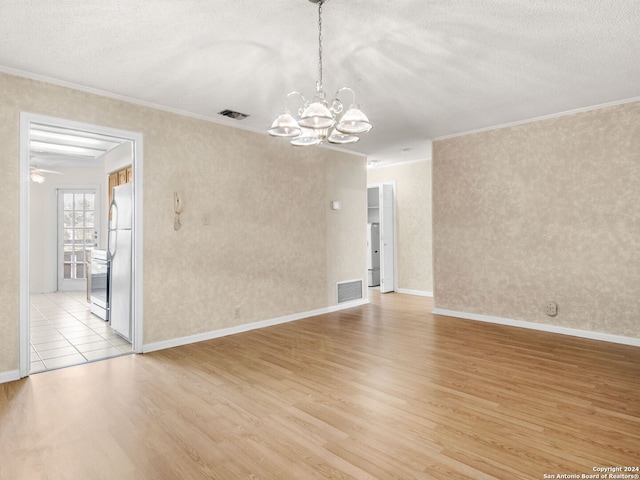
(353, 94)
(293, 92)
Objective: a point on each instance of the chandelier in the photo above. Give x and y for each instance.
(319, 119)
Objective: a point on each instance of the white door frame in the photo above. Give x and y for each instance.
(137, 307)
(394, 225)
(388, 229)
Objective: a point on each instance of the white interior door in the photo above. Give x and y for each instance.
(77, 235)
(387, 239)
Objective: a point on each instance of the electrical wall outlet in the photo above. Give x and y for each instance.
(551, 309)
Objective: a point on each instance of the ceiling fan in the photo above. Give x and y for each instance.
(37, 174)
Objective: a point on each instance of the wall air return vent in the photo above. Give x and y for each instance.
(348, 291)
(234, 115)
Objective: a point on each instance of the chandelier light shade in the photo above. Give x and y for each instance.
(338, 137)
(317, 114)
(318, 119)
(354, 121)
(308, 137)
(285, 126)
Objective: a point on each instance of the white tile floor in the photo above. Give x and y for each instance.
(64, 332)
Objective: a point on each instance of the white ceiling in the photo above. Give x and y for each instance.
(421, 69)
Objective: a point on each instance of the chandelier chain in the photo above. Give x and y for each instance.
(319, 85)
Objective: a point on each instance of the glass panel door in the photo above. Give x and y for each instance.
(77, 236)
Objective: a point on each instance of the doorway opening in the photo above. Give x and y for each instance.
(64, 202)
(381, 236)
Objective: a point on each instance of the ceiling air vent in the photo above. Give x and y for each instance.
(234, 115)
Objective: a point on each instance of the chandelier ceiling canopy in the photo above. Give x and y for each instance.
(319, 119)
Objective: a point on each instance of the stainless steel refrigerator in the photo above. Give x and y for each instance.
(120, 248)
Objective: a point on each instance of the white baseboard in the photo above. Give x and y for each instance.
(574, 332)
(200, 337)
(420, 293)
(9, 376)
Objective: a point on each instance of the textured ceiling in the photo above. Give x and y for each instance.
(421, 69)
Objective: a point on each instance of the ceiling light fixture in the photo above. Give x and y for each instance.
(37, 178)
(318, 119)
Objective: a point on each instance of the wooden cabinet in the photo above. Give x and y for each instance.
(119, 177)
(113, 182)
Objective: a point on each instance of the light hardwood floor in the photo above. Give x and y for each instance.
(382, 391)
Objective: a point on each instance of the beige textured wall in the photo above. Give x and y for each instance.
(413, 221)
(10, 231)
(271, 247)
(348, 184)
(548, 210)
